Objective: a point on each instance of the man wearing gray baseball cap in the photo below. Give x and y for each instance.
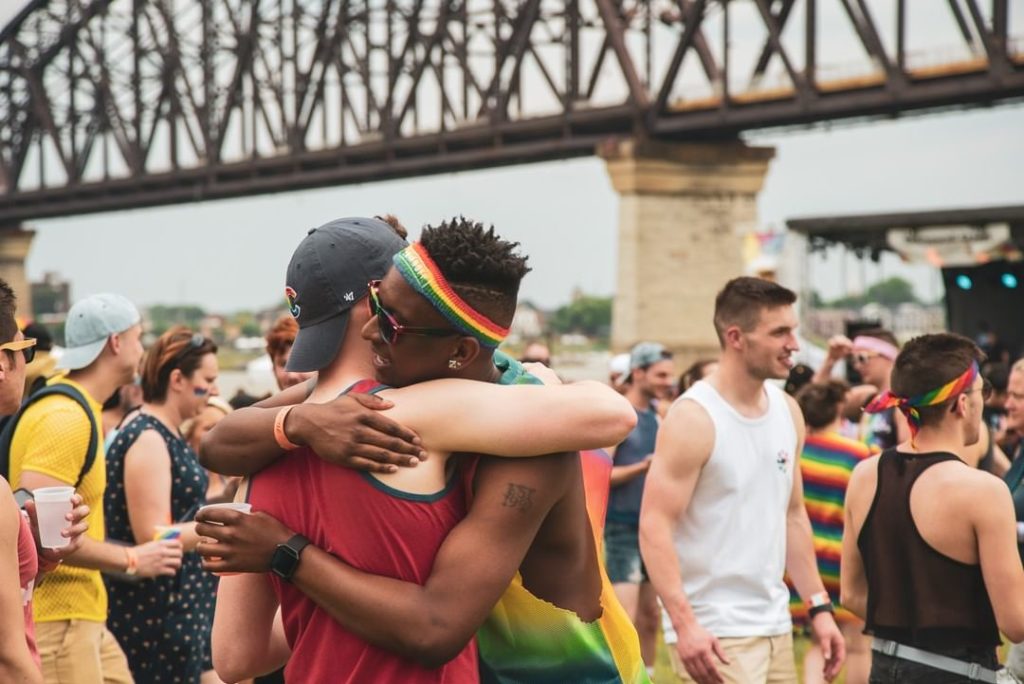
(57, 443)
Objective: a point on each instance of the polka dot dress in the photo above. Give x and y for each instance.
(162, 624)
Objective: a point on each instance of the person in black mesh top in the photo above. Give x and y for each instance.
(929, 559)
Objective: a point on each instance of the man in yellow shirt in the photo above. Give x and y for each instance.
(48, 449)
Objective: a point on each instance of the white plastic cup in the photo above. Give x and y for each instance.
(52, 505)
(232, 506)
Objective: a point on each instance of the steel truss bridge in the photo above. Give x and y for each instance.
(114, 104)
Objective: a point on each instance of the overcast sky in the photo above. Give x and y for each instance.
(232, 254)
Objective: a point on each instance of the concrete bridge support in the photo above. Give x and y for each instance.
(15, 243)
(683, 212)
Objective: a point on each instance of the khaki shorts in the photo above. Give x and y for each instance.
(752, 660)
(80, 652)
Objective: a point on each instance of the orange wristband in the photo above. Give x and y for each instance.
(131, 562)
(279, 436)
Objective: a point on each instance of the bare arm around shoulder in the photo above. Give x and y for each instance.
(349, 429)
(996, 529)
(16, 663)
(860, 492)
(431, 623)
(517, 420)
(684, 445)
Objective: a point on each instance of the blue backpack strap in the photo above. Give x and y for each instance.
(62, 389)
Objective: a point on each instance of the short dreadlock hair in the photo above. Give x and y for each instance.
(482, 268)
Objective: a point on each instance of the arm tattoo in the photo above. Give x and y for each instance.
(518, 496)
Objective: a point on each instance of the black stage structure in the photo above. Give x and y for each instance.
(984, 288)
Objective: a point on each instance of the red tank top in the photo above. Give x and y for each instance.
(28, 568)
(373, 528)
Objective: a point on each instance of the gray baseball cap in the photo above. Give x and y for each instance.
(329, 272)
(89, 325)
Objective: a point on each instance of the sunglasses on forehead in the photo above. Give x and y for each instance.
(389, 327)
(26, 346)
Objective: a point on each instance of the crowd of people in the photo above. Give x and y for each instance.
(415, 505)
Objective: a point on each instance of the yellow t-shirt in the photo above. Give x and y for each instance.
(51, 439)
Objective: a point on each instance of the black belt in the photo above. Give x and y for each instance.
(973, 671)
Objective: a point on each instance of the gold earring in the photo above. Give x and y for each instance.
(453, 364)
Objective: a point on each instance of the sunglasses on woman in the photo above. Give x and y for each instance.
(388, 325)
(26, 346)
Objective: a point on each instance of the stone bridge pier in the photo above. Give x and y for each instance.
(684, 210)
(15, 243)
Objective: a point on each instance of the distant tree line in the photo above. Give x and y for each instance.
(586, 315)
(889, 292)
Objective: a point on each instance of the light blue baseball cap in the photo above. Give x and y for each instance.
(90, 323)
(646, 354)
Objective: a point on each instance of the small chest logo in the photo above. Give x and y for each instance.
(782, 460)
(350, 296)
(290, 295)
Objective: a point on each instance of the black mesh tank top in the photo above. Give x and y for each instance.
(917, 595)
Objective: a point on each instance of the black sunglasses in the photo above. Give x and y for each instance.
(26, 346)
(388, 325)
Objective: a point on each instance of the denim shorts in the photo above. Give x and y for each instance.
(622, 553)
(887, 669)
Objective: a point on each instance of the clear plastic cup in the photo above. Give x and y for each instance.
(52, 506)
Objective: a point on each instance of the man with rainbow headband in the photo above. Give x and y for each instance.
(522, 570)
(929, 559)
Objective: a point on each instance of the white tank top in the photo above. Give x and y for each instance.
(731, 541)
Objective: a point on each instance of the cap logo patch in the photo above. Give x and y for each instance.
(350, 296)
(290, 295)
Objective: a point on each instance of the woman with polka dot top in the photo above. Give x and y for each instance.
(154, 487)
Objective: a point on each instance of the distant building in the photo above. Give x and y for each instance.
(904, 320)
(51, 296)
(527, 324)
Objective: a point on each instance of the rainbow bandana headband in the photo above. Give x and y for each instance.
(908, 405)
(424, 276)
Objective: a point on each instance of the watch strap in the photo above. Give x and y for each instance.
(815, 610)
(288, 555)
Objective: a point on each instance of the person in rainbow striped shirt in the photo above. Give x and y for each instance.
(826, 462)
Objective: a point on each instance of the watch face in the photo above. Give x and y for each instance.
(284, 561)
(286, 556)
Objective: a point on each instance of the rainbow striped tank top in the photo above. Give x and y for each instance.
(528, 639)
(826, 463)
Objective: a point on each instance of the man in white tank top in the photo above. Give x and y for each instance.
(723, 512)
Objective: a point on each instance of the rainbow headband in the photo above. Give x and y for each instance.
(424, 276)
(908, 405)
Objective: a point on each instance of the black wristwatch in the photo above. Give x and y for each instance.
(285, 560)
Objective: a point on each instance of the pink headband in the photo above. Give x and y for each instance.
(880, 347)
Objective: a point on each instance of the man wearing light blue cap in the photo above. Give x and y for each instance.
(57, 443)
